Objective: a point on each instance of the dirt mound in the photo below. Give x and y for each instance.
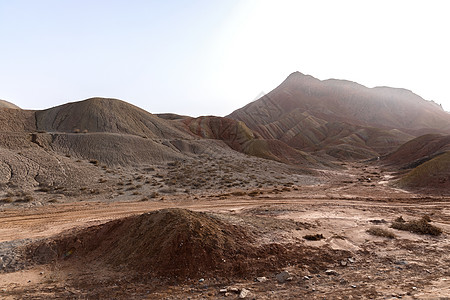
(172, 243)
(7, 104)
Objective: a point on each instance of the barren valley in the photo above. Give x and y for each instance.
(306, 193)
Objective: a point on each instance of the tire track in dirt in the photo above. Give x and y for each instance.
(45, 221)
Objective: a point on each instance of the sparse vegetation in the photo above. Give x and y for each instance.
(254, 193)
(314, 237)
(153, 195)
(420, 226)
(378, 231)
(7, 200)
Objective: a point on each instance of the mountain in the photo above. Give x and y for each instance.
(341, 118)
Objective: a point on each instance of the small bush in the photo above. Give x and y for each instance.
(7, 200)
(44, 189)
(420, 226)
(76, 130)
(94, 162)
(399, 220)
(26, 198)
(314, 237)
(377, 231)
(254, 193)
(238, 193)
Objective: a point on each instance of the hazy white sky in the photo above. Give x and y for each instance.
(214, 56)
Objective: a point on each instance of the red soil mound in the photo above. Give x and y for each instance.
(174, 243)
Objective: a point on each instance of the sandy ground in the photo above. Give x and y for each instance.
(410, 266)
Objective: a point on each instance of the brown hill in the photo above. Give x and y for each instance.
(424, 163)
(242, 139)
(6, 104)
(310, 114)
(418, 150)
(105, 115)
(431, 176)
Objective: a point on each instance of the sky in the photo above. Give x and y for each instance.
(210, 57)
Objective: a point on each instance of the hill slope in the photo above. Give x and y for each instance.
(242, 139)
(424, 164)
(6, 104)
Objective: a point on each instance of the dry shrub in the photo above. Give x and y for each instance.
(254, 193)
(314, 237)
(94, 162)
(399, 220)
(153, 195)
(377, 231)
(420, 226)
(238, 193)
(7, 200)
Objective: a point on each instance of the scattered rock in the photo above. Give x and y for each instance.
(306, 277)
(351, 259)
(234, 290)
(244, 293)
(331, 272)
(223, 291)
(261, 279)
(343, 263)
(283, 276)
(201, 280)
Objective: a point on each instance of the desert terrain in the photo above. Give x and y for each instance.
(318, 190)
